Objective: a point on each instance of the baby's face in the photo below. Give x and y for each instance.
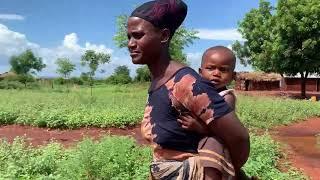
(217, 68)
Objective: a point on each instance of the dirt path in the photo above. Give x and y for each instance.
(284, 94)
(303, 145)
(40, 136)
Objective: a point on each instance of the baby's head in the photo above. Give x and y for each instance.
(218, 65)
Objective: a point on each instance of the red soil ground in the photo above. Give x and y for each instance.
(302, 145)
(41, 136)
(284, 94)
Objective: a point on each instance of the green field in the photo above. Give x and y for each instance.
(111, 106)
(116, 106)
(115, 157)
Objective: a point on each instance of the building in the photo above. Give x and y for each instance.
(7, 74)
(257, 81)
(294, 84)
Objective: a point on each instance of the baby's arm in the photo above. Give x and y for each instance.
(193, 124)
(230, 98)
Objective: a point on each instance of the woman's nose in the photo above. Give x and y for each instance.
(131, 43)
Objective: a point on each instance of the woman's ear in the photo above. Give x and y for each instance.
(165, 35)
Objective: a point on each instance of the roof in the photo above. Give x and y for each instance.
(258, 76)
(6, 74)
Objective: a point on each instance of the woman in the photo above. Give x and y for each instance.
(176, 89)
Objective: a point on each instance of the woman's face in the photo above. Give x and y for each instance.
(144, 41)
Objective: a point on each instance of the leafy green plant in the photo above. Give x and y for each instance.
(112, 158)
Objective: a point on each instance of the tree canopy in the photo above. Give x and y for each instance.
(65, 67)
(26, 63)
(284, 39)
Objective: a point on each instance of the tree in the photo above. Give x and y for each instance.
(65, 67)
(181, 39)
(93, 60)
(143, 74)
(26, 64)
(121, 75)
(285, 39)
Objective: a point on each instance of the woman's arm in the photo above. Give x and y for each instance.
(234, 135)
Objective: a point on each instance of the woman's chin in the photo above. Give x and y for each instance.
(137, 61)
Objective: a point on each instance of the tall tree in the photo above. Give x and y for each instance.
(143, 74)
(121, 75)
(122, 70)
(93, 59)
(26, 64)
(285, 39)
(181, 39)
(65, 67)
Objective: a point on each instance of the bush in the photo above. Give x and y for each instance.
(25, 78)
(59, 81)
(143, 74)
(77, 81)
(11, 85)
(119, 79)
(113, 158)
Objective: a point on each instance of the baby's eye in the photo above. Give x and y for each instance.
(224, 69)
(210, 68)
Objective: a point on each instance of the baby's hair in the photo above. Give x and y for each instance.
(221, 49)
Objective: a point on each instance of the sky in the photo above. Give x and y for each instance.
(60, 28)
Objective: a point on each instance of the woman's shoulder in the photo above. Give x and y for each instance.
(186, 72)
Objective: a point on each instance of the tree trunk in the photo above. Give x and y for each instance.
(65, 77)
(303, 84)
(91, 90)
(303, 87)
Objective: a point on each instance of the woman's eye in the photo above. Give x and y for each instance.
(137, 35)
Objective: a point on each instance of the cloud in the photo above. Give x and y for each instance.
(220, 34)
(12, 43)
(194, 60)
(11, 17)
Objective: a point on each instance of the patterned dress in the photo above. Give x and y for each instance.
(175, 150)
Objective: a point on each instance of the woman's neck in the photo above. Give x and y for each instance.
(159, 66)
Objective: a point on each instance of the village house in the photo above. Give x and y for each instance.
(257, 81)
(260, 81)
(7, 74)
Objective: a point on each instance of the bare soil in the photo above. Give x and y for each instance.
(302, 144)
(41, 136)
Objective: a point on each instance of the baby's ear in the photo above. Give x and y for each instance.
(234, 75)
(200, 71)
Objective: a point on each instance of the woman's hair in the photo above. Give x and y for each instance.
(163, 13)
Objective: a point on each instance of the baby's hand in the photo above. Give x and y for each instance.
(192, 124)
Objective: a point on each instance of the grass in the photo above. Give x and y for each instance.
(118, 106)
(111, 106)
(264, 158)
(113, 158)
(266, 112)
